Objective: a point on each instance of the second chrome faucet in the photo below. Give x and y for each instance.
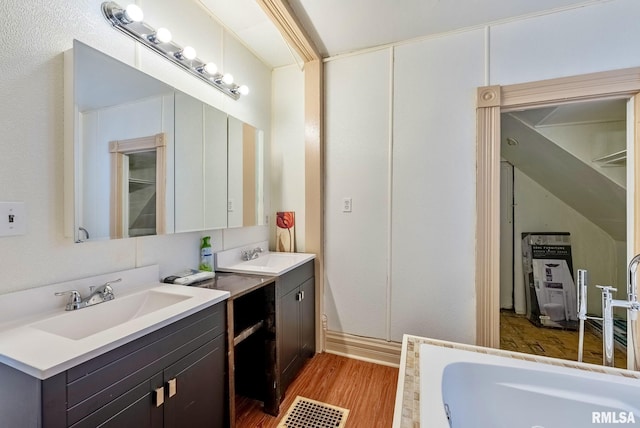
(99, 294)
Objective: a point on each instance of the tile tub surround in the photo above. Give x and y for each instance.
(407, 407)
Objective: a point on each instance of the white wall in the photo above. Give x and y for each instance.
(288, 149)
(358, 143)
(35, 36)
(537, 210)
(431, 250)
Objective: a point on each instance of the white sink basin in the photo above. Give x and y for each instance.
(39, 338)
(271, 263)
(85, 322)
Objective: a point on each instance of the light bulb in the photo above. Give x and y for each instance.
(133, 13)
(243, 89)
(163, 35)
(228, 78)
(210, 68)
(188, 52)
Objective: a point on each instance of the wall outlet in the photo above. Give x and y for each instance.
(230, 205)
(13, 219)
(346, 205)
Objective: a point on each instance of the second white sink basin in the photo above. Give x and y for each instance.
(85, 322)
(270, 263)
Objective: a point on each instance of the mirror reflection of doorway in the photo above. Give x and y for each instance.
(140, 178)
(563, 170)
(138, 175)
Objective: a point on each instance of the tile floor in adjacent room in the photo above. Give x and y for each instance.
(517, 333)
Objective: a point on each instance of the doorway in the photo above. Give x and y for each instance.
(491, 102)
(138, 186)
(563, 184)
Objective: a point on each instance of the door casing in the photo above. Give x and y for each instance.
(491, 102)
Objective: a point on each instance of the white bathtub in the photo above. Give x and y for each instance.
(487, 391)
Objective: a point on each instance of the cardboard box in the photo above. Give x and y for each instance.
(548, 275)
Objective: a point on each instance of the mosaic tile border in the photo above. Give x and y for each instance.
(410, 362)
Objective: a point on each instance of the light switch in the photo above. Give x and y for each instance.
(13, 220)
(346, 205)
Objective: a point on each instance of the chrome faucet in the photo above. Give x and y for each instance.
(608, 303)
(102, 293)
(251, 254)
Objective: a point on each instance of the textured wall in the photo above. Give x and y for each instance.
(34, 36)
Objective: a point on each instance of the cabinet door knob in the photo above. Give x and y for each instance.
(159, 396)
(173, 387)
(302, 295)
(298, 296)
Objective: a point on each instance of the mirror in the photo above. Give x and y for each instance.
(246, 175)
(200, 165)
(117, 111)
(115, 108)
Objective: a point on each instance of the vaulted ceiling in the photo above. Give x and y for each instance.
(341, 26)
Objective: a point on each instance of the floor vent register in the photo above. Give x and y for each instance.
(306, 413)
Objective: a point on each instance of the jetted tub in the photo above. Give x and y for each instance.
(466, 389)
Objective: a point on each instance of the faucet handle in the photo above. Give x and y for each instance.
(106, 287)
(74, 298)
(73, 294)
(607, 290)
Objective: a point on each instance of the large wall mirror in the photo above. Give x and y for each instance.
(246, 175)
(149, 159)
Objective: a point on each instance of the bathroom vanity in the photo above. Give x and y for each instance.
(271, 331)
(173, 377)
(152, 357)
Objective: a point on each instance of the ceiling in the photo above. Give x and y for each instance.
(342, 26)
(581, 185)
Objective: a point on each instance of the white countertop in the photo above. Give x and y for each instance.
(265, 263)
(42, 354)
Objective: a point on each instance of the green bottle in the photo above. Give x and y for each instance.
(206, 255)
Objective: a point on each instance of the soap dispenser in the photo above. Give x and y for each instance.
(206, 255)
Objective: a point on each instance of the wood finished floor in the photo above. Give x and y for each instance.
(517, 333)
(366, 389)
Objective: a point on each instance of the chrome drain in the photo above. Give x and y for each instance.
(306, 413)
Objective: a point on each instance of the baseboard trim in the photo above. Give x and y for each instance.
(363, 348)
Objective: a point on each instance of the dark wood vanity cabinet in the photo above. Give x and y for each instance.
(173, 377)
(296, 321)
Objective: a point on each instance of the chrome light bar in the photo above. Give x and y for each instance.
(129, 21)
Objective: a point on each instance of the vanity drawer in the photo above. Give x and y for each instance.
(292, 279)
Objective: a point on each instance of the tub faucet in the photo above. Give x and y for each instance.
(608, 303)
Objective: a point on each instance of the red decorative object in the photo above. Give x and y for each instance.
(285, 231)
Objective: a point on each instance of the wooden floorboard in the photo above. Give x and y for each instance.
(366, 389)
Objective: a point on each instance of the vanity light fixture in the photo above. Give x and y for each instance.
(187, 53)
(161, 35)
(129, 21)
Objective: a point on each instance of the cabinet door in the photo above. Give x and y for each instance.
(289, 340)
(308, 319)
(195, 388)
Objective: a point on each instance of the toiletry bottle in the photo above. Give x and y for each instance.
(206, 255)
